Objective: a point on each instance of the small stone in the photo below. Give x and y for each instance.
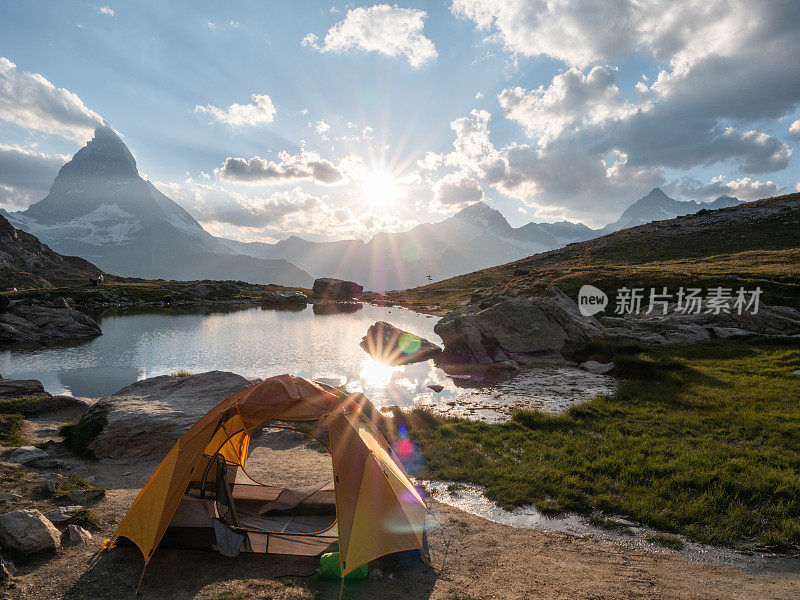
(62, 514)
(436, 387)
(375, 574)
(25, 454)
(27, 532)
(597, 368)
(507, 365)
(126, 474)
(84, 496)
(796, 372)
(75, 535)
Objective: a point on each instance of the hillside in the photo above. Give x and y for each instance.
(27, 262)
(748, 245)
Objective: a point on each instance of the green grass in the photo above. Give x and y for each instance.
(81, 433)
(10, 427)
(70, 483)
(707, 445)
(12, 413)
(181, 373)
(667, 541)
(85, 518)
(27, 406)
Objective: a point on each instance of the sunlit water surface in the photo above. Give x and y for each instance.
(261, 343)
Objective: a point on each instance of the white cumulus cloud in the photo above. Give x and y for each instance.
(389, 30)
(31, 101)
(794, 130)
(305, 165)
(259, 112)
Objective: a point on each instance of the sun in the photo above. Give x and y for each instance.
(380, 189)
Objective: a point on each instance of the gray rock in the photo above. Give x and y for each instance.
(29, 323)
(337, 289)
(27, 532)
(84, 496)
(13, 388)
(9, 496)
(436, 387)
(508, 365)
(62, 514)
(145, 419)
(597, 367)
(514, 329)
(75, 535)
(392, 345)
(25, 454)
(284, 299)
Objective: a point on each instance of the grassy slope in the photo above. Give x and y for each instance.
(708, 446)
(754, 244)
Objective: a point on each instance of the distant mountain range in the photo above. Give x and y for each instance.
(101, 209)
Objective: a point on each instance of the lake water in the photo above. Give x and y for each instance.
(261, 343)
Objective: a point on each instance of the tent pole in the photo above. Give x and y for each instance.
(141, 577)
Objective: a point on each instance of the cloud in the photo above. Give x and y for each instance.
(321, 127)
(256, 218)
(106, 10)
(455, 191)
(31, 101)
(794, 130)
(389, 30)
(289, 168)
(26, 174)
(571, 100)
(259, 112)
(744, 188)
(609, 30)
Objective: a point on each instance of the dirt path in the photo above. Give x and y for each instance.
(485, 559)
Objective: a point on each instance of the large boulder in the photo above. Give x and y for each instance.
(14, 388)
(337, 289)
(145, 419)
(513, 329)
(27, 532)
(394, 346)
(30, 323)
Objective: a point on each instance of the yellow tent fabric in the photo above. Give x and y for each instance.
(377, 507)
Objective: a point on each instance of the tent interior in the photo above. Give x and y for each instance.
(287, 515)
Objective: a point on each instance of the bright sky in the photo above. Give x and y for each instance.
(331, 121)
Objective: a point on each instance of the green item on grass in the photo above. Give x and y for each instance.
(329, 568)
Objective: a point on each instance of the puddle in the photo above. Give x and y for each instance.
(470, 499)
(550, 389)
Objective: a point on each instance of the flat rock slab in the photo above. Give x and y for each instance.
(25, 454)
(393, 346)
(25, 324)
(62, 514)
(145, 419)
(14, 388)
(27, 532)
(597, 367)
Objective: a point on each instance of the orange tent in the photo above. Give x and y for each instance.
(201, 496)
